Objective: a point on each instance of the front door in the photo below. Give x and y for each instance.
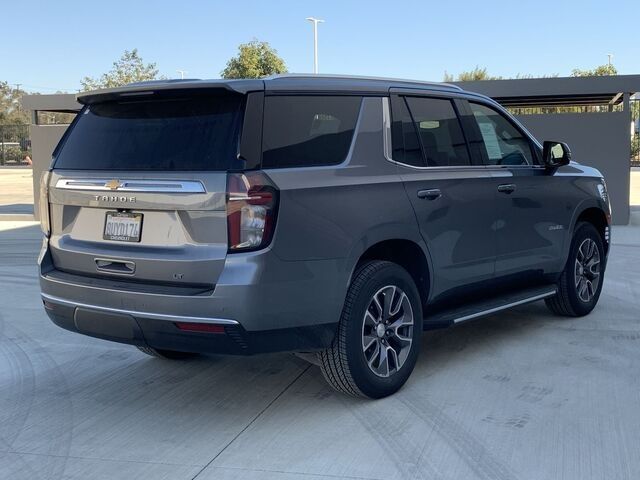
(533, 220)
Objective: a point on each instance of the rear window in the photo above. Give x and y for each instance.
(195, 133)
(304, 131)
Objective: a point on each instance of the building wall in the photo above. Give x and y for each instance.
(600, 140)
(44, 139)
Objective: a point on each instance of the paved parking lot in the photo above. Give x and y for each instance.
(518, 395)
(16, 190)
(635, 187)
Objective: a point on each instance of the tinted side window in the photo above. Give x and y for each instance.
(440, 132)
(405, 143)
(503, 142)
(302, 131)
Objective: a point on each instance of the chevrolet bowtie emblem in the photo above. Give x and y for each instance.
(113, 184)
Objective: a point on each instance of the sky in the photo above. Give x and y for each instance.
(51, 45)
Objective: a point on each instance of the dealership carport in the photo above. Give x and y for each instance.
(591, 114)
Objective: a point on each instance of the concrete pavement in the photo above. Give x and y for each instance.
(518, 395)
(16, 191)
(634, 192)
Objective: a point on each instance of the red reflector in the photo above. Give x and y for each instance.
(47, 305)
(200, 327)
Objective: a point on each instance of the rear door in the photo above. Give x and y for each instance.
(533, 219)
(452, 198)
(138, 189)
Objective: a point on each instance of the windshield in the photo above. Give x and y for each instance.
(195, 133)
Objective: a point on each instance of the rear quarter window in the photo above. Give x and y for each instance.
(188, 134)
(305, 131)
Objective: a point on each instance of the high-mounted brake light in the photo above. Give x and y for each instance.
(252, 202)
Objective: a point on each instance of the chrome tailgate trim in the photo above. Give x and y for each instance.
(116, 185)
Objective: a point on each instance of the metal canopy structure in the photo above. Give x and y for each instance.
(55, 103)
(556, 91)
(562, 100)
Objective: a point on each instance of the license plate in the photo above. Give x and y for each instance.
(123, 226)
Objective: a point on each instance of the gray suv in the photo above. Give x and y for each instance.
(334, 217)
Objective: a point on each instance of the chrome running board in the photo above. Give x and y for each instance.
(479, 309)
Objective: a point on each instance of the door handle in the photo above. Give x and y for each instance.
(430, 194)
(507, 188)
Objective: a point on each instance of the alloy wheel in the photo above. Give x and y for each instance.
(587, 270)
(387, 331)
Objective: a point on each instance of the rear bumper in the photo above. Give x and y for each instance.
(139, 328)
(260, 304)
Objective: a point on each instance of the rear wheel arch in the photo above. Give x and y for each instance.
(406, 253)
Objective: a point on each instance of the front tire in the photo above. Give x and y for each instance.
(378, 338)
(581, 281)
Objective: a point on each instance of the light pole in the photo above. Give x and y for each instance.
(315, 22)
(182, 72)
(610, 55)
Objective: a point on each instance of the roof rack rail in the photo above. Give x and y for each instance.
(363, 77)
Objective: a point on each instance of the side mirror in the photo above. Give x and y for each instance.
(556, 154)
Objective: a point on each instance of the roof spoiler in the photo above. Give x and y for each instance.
(145, 89)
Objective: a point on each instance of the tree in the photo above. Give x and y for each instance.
(525, 76)
(482, 74)
(11, 112)
(601, 71)
(129, 68)
(254, 60)
(471, 75)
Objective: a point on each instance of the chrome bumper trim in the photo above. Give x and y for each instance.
(153, 316)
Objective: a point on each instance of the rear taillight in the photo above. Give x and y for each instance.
(252, 202)
(43, 203)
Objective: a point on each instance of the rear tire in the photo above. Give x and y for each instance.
(581, 281)
(166, 354)
(378, 339)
